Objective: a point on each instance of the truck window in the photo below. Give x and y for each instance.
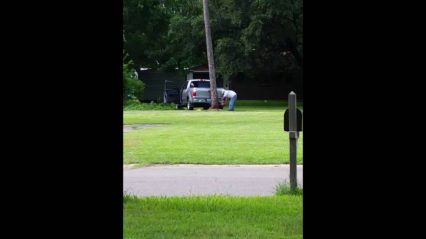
(201, 84)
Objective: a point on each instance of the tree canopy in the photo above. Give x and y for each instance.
(250, 36)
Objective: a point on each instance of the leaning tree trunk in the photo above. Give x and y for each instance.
(212, 73)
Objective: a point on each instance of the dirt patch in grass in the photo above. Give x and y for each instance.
(130, 127)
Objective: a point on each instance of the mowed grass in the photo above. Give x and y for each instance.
(253, 134)
(213, 217)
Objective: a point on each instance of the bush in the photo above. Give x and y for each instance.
(134, 104)
(132, 88)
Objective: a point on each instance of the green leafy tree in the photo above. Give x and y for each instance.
(145, 25)
(254, 37)
(132, 86)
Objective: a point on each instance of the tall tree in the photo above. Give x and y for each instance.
(145, 26)
(210, 58)
(251, 38)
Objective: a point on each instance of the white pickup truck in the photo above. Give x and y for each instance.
(196, 93)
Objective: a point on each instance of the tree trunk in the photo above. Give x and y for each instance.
(212, 73)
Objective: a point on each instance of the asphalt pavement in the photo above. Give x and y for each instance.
(185, 180)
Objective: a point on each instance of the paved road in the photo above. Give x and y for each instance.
(179, 180)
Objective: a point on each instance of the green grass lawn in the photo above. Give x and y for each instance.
(253, 134)
(213, 217)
